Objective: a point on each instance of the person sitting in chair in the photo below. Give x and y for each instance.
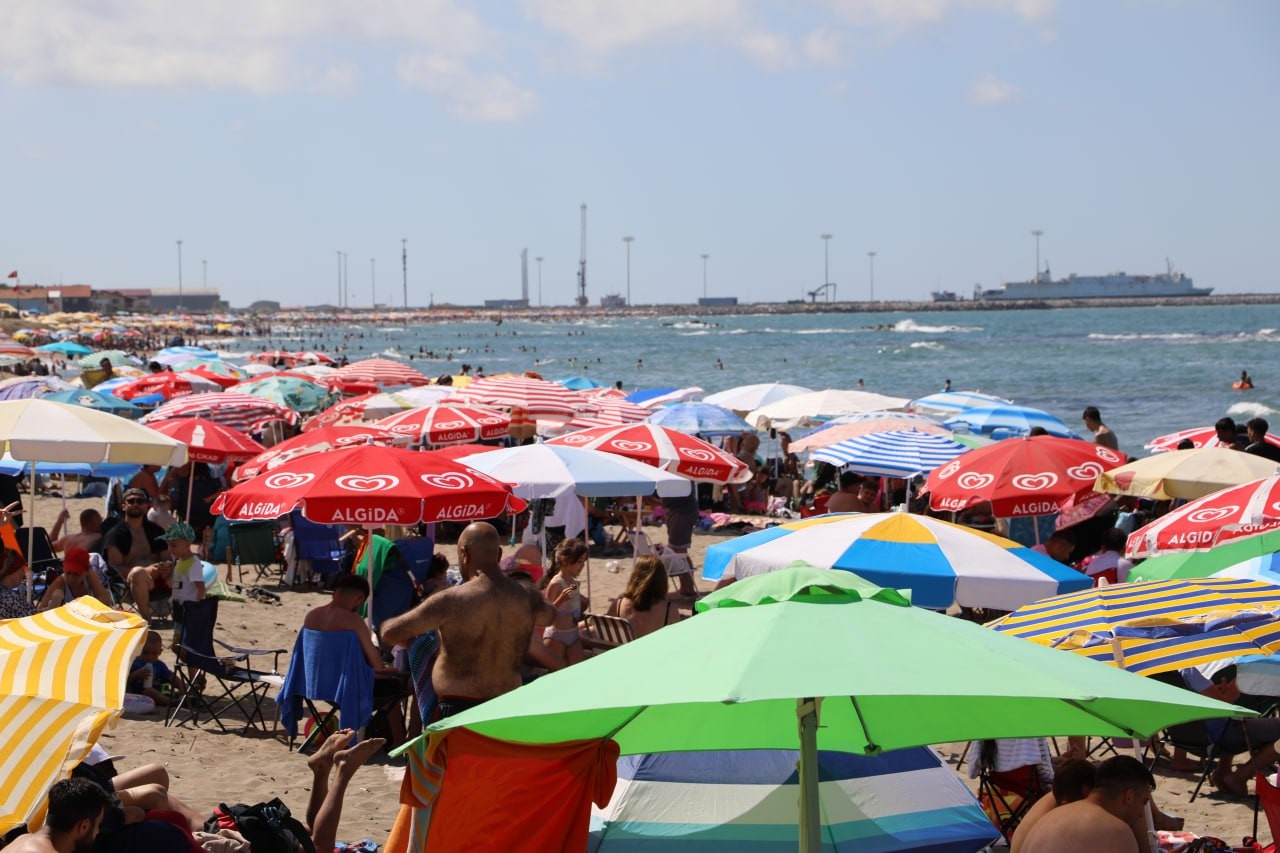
(1258, 735)
(644, 603)
(75, 581)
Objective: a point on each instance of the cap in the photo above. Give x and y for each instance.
(97, 755)
(136, 493)
(179, 530)
(75, 561)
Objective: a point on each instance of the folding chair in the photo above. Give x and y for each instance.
(1194, 739)
(1268, 799)
(607, 632)
(326, 666)
(254, 543)
(43, 557)
(1007, 797)
(231, 671)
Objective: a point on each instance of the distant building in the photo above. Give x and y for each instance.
(46, 300)
(265, 306)
(192, 299)
(135, 298)
(114, 301)
(613, 300)
(502, 304)
(717, 301)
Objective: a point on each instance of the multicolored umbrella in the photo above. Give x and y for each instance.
(238, 411)
(1205, 436)
(301, 395)
(652, 398)
(662, 448)
(1020, 477)
(382, 372)
(1186, 474)
(1225, 516)
(1014, 420)
(1254, 558)
(700, 419)
(317, 441)
(26, 387)
(898, 453)
(941, 563)
(441, 424)
(866, 423)
(536, 398)
(64, 675)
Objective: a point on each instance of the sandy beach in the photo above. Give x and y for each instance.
(208, 767)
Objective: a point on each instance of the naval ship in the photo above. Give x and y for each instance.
(1117, 285)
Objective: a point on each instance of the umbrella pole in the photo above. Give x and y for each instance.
(637, 530)
(31, 538)
(810, 811)
(586, 540)
(1117, 652)
(191, 487)
(368, 605)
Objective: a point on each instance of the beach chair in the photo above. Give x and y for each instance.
(1267, 798)
(330, 667)
(1006, 797)
(607, 632)
(1194, 739)
(253, 543)
(676, 564)
(43, 557)
(208, 664)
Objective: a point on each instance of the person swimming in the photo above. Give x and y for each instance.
(1245, 383)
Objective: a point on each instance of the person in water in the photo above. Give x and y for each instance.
(1246, 381)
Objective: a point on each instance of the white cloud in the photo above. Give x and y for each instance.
(905, 14)
(605, 26)
(990, 90)
(771, 51)
(469, 94)
(824, 46)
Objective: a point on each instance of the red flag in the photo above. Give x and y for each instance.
(13, 274)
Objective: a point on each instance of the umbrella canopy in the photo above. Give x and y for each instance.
(369, 485)
(1020, 477)
(941, 563)
(1185, 473)
(902, 800)
(25, 387)
(951, 402)
(662, 448)
(609, 411)
(1014, 420)
(64, 673)
(819, 406)
(898, 453)
(652, 398)
(444, 424)
(300, 395)
(44, 431)
(1193, 613)
(544, 470)
(747, 398)
(700, 419)
(173, 355)
(867, 423)
(1205, 436)
(382, 372)
(208, 441)
(65, 348)
(1235, 513)
(118, 358)
(91, 398)
(1256, 558)
(579, 383)
(15, 349)
(238, 411)
(165, 385)
(316, 441)
(537, 398)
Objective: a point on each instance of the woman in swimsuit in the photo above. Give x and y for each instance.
(77, 580)
(561, 637)
(644, 603)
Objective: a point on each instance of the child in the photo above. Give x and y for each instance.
(562, 636)
(188, 573)
(149, 675)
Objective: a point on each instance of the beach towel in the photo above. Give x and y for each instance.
(502, 796)
(329, 666)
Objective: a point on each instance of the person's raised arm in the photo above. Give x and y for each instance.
(427, 616)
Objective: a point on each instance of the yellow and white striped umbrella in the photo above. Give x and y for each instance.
(62, 680)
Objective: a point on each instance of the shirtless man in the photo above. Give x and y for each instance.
(75, 813)
(1102, 433)
(1101, 822)
(855, 495)
(89, 537)
(134, 541)
(484, 625)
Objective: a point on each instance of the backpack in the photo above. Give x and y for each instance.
(268, 827)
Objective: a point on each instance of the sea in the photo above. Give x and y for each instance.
(1150, 370)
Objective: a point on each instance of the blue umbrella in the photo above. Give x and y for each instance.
(13, 468)
(1011, 420)
(65, 347)
(578, 383)
(648, 394)
(947, 402)
(898, 453)
(173, 355)
(700, 419)
(95, 399)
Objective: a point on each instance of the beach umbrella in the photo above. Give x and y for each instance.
(898, 453)
(1020, 477)
(662, 448)
(546, 471)
(381, 372)
(170, 356)
(272, 356)
(118, 358)
(208, 380)
(608, 411)
(14, 468)
(783, 662)
(1015, 420)
(578, 383)
(369, 485)
(164, 386)
(68, 348)
(39, 430)
(1254, 558)
(313, 358)
(746, 398)
(64, 674)
(1205, 436)
(1155, 626)
(901, 800)
(535, 398)
(867, 423)
(819, 406)
(26, 387)
(300, 395)
(947, 403)
(1235, 513)
(1184, 473)
(16, 349)
(92, 398)
(443, 424)
(316, 441)
(310, 371)
(208, 441)
(941, 563)
(256, 368)
(239, 411)
(651, 398)
(700, 419)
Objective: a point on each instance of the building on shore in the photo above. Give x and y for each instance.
(195, 299)
(717, 301)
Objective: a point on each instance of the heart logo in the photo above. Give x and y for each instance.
(574, 439)
(630, 446)
(345, 441)
(453, 482)
(493, 419)
(1107, 455)
(404, 429)
(971, 480)
(698, 454)
(370, 483)
(1209, 515)
(1088, 471)
(947, 470)
(287, 480)
(1034, 482)
(450, 424)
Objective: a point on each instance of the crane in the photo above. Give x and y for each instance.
(829, 289)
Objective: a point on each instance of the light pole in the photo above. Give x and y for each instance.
(628, 241)
(404, 265)
(871, 258)
(339, 278)
(179, 275)
(346, 282)
(204, 274)
(704, 276)
(1036, 233)
(826, 264)
(539, 260)
(373, 285)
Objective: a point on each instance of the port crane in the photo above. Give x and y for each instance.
(829, 289)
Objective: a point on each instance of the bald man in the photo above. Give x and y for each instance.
(484, 625)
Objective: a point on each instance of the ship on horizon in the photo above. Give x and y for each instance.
(1118, 285)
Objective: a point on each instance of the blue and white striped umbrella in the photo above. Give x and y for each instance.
(905, 799)
(173, 355)
(898, 453)
(699, 419)
(949, 402)
(1011, 420)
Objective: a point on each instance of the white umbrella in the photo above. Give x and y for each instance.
(817, 406)
(746, 398)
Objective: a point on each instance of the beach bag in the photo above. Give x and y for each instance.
(268, 827)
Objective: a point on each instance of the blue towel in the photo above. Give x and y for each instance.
(329, 666)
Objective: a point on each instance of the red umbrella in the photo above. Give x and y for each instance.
(1020, 476)
(537, 398)
(208, 441)
(441, 424)
(457, 451)
(382, 372)
(662, 448)
(370, 485)
(222, 379)
(313, 358)
(167, 384)
(1235, 513)
(316, 441)
(239, 411)
(610, 411)
(1205, 436)
(273, 356)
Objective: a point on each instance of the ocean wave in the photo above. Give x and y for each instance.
(736, 332)
(1251, 410)
(818, 331)
(392, 353)
(909, 325)
(693, 334)
(1148, 336)
(930, 345)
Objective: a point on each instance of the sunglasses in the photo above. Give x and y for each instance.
(137, 502)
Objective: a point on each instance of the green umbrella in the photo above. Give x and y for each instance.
(210, 365)
(298, 394)
(1204, 564)
(118, 358)
(861, 669)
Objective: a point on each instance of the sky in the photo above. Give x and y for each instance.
(271, 135)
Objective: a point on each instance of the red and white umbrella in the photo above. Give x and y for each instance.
(662, 448)
(13, 348)
(609, 411)
(369, 486)
(441, 424)
(208, 441)
(364, 408)
(1235, 513)
(1205, 436)
(1020, 476)
(382, 372)
(313, 358)
(318, 441)
(272, 356)
(224, 376)
(166, 384)
(238, 411)
(537, 398)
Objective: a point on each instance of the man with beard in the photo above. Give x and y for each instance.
(134, 547)
(75, 812)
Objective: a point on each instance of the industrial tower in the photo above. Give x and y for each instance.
(582, 263)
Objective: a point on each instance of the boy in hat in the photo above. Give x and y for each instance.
(188, 571)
